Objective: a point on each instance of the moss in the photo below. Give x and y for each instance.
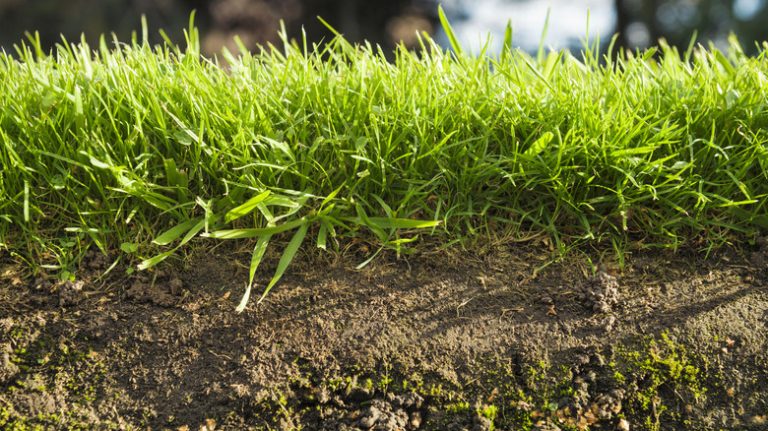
(667, 378)
(458, 408)
(489, 412)
(48, 367)
(11, 420)
(368, 384)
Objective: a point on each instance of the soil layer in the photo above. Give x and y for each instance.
(504, 340)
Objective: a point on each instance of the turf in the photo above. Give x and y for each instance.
(122, 144)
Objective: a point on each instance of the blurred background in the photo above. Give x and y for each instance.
(388, 22)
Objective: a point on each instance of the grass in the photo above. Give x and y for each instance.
(146, 148)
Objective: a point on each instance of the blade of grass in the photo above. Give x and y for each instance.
(258, 253)
(288, 255)
(256, 232)
(175, 232)
(246, 207)
(449, 31)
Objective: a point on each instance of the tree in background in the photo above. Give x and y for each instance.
(641, 23)
(255, 21)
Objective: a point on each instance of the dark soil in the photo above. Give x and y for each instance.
(505, 340)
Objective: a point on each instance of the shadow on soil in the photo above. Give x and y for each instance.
(672, 341)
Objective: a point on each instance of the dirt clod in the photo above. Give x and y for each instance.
(42, 283)
(457, 426)
(409, 401)
(70, 293)
(545, 426)
(482, 423)
(175, 285)
(370, 417)
(381, 416)
(7, 368)
(415, 420)
(623, 425)
(96, 260)
(601, 292)
(144, 291)
(359, 395)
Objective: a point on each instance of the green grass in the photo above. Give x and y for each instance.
(124, 143)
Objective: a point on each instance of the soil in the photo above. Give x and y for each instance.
(506, 339)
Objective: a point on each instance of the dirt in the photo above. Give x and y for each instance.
(507, 339)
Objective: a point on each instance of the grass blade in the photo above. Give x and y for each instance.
(256, 232)
(258, 254)
(152, 261)
(539, 145)
(322, 235)
(246, 208)
(191, 227)
(506, 48)
(449, 31)
(201, 223)
(542, 40)
(402, 223)
(175, 232)
(26, 201)
(288, 254)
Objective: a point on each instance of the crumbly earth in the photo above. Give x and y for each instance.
(506, 339)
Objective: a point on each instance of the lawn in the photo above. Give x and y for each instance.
(125, 166)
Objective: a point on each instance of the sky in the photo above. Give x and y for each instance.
(473, 20)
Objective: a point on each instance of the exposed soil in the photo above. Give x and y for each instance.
(504, 340)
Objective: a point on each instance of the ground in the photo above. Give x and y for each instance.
(507, 339)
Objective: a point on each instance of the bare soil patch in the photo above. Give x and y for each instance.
(504, 340)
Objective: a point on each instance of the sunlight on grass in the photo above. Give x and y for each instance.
(121, 145)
